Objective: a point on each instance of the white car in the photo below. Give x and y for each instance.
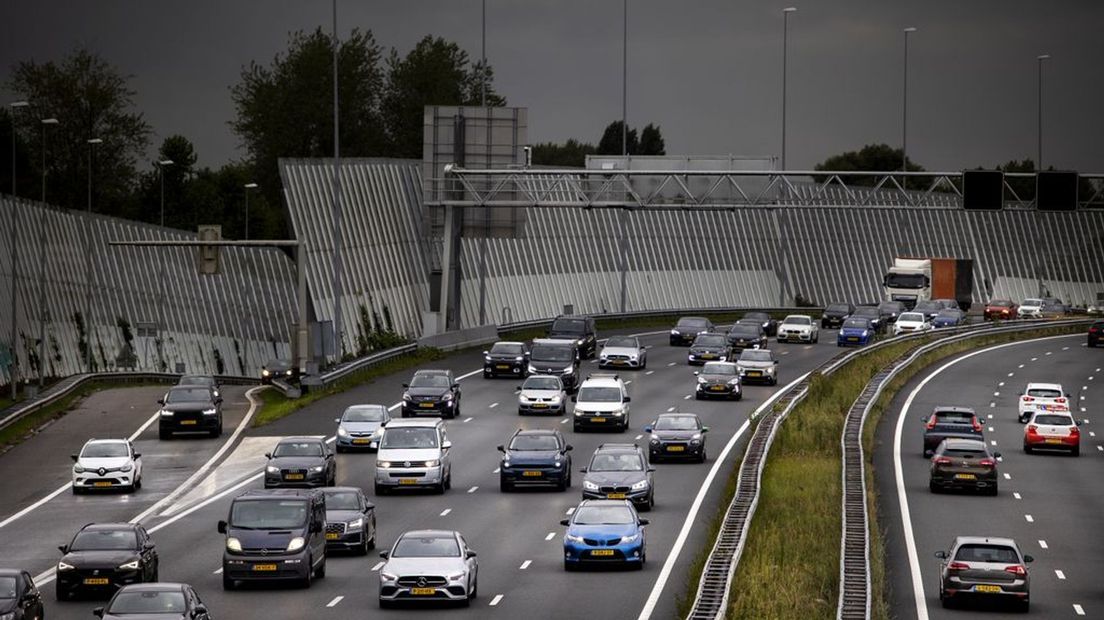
(757, 365)
(1042, 397)
(910, 322)
(542, 394)
(623, 352)
(414, 453)
(602, 402)
(1031, 309)
(107, 464)
(798, 328)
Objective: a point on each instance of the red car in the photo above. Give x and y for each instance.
(1002, 309)
(1052, 430)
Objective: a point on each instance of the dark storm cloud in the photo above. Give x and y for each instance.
(709, 72)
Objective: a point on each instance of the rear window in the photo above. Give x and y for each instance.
(997, 554)
(954, 417)
(964, 454)
(1053, 420)
(1044, 393)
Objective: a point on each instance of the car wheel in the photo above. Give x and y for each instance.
(321, 571)
(137, 484)
(405, 415)
(1027, 449)
(77, 490)
(740, 396)
(504, 485)
(60, 594)
(1076, 451)
(448, 480)
(1025, 606)
(305, 582)
(933, 487)
(339, 449)
(475, 589)
(993, 490)
(703, 457)
(576, 428)
(228, 583)
(697, 395)
(385, 604)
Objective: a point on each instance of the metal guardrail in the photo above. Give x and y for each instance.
(638, 314)
(367, 361)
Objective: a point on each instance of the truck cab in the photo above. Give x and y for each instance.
(908, 281)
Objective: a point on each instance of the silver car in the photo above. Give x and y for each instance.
(623, 352)
(984, 568)
(414, 453)
(757, 365)
(361, 427)
(429, 565)
(542, 394)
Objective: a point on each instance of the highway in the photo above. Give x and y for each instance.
(518, 536)
(1047, 502)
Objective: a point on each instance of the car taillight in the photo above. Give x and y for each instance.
(1016, 569)
(953, 566)
(1004, 312)
(942, 460)
(1093, 330)
(976, 423)
(931, 422)
(1074, 432)
(1060, 400)
(1032, 429)
(1028, 399)
(987, 463)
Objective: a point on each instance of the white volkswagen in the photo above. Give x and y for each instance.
(107, 464)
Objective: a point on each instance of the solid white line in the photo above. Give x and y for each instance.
(466, 420)
(1043, 544)
(378, 566)
(1079, 610)
(1029, 518)
(550, 536)
(919, 598)
(525, 564)
(32, 507)
(496, 600)
(1059, 574)
(445, 512)
(473, 489)
(692, 515)
(628, 382)
(493, 405)
(1016, 495)
(333, 603)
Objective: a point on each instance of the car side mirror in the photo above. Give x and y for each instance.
(643, 521)
(517, 389)
(137, 455)
(565, 521)
(338, 420)
(486, 353)
(222, 527)
(705, 429)
(199, 611)
(456, 386)
(218, 401)
(582, 470)
(627, 399)
(1028, 559)
(148, 546)
(470, 554)
(648, 429)
(384, 554)
(651, 469)
(942, 555)
(1068, 395)
(63, 548)
(446, 444)
(98, 612)
(501, 448)
(775, 362)
(406, 385)
(996, 455)
(268, 455)
(160, 401)
(75, 457)
(384, 423)
(569, 448)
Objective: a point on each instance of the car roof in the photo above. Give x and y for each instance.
(537, 431)
(342, 490)
(1055, 386)
(678, 414)
(604, 502)
(554, 342)
(600, 381)
(951, 409)
(543, 377)
(797, 316)
(296, 439)
(279, 494)
(432, 371)
(508, 342)
(414, 423)
(158, 586)
(984, 540)
(618, 447)
(430, 533)
(108, 527)
(90, 441)
(692, 318)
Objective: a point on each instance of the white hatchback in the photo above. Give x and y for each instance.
(107, 464)
(1048, 397)
(910, 322)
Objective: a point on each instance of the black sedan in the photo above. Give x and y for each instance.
(19, 598)
(928, 307)
(300, 462)
(278, 368)
(104, 557)
(688, 328)
(433, 392)
(948, 423)
(192, 409)
(677, 436)
(835, 314)
(718, 379)
(891, 310)
(155, 601)
(350, 520)
(709, 348)
(769, 324)
(535, 458)
(746, 336)
(506, 359)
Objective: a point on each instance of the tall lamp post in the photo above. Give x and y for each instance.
(161, 275)
(1039, 153)
(89, 263)
(337, 213)
(247, 186)
(15, 105)
(785, 35)
(904, 109)
(42, 255)
(245, 332)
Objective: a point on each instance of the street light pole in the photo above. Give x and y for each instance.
(483, 73)
(785, 35)
(248, 186)
(42, 255)
(625, 78)
(89, 263)
(247, 311)
(15, 105)
(161, 276)
(1039, 152)
(904, 109)
(337, 232)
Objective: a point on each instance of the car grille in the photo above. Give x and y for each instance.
(422, 581)
(606, 542)
(426, 399)
(614, 489)
(412, 474)
(264, 550)
(335, 528)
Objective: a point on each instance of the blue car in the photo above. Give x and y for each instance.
(604, 531)
(855, 332)
(535, 457)
(948, 317)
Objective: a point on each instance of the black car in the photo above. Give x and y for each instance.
(104, 557)
(578, 328)
(155, 601)
(510, 359)
(350, 520)
(535, 458)
(300, 462)
(201, 380)
(835, 314)
(688, 328)
(746, 336)
(877, 320)
(769, 324)
(891, 310)
(431, 391)
(19, 598)
(274, 536)
(963, 464)
(559, 358)
(677, 436)
(950, 422)
(1096, 332)
(620, 471)
(709, 348)
(278, 368)
(193, 409)
(718, 379)
(928, 307)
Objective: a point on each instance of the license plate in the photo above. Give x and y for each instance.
(423, 591)
(294, 477)
(676, 448)
(852, 339)
(361, 441)
(502, 366)
(264, 568)
(1054, 441)
(965, 477)
(602, 552)
(331, 536)
(96, 581)
(717, 388)
(408, 481)
(754, 373)
(597, 419)
(540, 406)
(532, 474)
(616, 496)
(987, 588)
(187, 422)
(708, 356)
(102, 483)
(426, 405)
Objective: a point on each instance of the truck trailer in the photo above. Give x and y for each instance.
(911, 279)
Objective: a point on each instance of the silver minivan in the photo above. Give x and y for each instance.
(414, 453)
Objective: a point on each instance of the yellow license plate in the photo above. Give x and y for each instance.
(426, 405)
(602, 552)
(264, 568)
(1054, 441)
(331, 536)
(618, 362)
(717, 388)
(754, 373)
(502, 366)
(408, 481)
(616, 496)
(852, 339)
(708, 356)
(423, 591)
(987, 588)
(965, 477)
(294, 477)
(187, 422)
(540, 406)
(101, 483)
(676, 448)
(532, 474)
(597, 419)
(96, 581)
(361, 441)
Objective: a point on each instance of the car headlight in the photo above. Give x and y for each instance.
(628, 539)
(590, 486)
(354, 525)
(288, 372)
(63, 566)
(265, 373)
(8, 616)
(295, 544)
(733, 381)
(579, 342)
(456, 577)
(865, 333)
(383, 464)
(342, 432)
(571, 538)
(640, 486)
(557, 464)
(655, 441)
(406, 397)
(579, 411)
(532, 370)
(272, 469)
(77, 469)
(696, 437)
(388, 576)
(233, 544)
(506, 462)
(701, 379)
(166, 414)
(211, 411)
(555, 400)
(633, 357)
(447, 396)
(131, 565)
(523, 399)
(619, 413)
(317, 469)
(519, 358)
(487, 359)
(126, 467)
(569, 370)
(433, 463)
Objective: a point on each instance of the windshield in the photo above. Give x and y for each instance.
(600, 395)
(750, 355)
(143, 602)
(7, 587)
(797, 320)
(762, 317)
(603, 515)
(105, 450)
(710, 340)
(616, 462)
(105, 540)
(542, 383)
(1053, 420)
(857, 323)
(298, 448)
(188, 395)
(426, 380)
(719, 368)
(505, 348)
(365, 413)
(1033, 302)
(987, 553)
(745, 331)
(268, 514)
(838, 308)
(535, 442)
(569, 326)
(342, 500)
(1044, 393)
(927, 307)
(949, 313)
(426, 547)
(677, 423)
(622, 341)
(278, 364)
(693, 323)
(914, 317)
(552, 353)
(409, 438)
(906, 280)
(889, 306)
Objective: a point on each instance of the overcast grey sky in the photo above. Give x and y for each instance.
(707, 71)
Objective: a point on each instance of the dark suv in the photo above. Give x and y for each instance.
(431, 391)
(300, 462)
(105, 557)
(620, 471)
(559, 358)
(878, 319)
(835, 314)
(1096, 332)
(964, 464)
(190, 408)
(509, 359)
(579, 328)
(274, 535)
(950, 422)
(535, 458)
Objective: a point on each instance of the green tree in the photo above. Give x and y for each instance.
(91, 99)
(435, 72)
(874, 158)
(570, 154)
(610, 143)
(651, 141)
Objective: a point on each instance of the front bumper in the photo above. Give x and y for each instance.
(542, 407)
(189, 423)
(338, 538)
(409, 477)
(718, 390)
(497, 368)
(431, 407)
(603, 420)
(760, 376)
(577, 553)
(436, 589)
(288, 480)
(787, 336)
(638, 498)
(101, 581)
(354, 442)
(620, 362)
(247, 567)
(675, 450)
(534, 475)
(110, 480)
(699, 359)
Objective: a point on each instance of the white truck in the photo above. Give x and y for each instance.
(913, 279)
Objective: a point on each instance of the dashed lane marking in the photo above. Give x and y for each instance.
(993, 442)
(990, 416)
(550, 536)
(1001, 384)
(496, 470)
(496, 600)
(670, 409)
(445, 512)
(628, 382)
(671, 363)
(1043, 544)
(493, 405)
(996, 393)
(1079, 610)
(525, 564)
(563, 421)
(1021, 365)
(991, 405)
(1017, 496)
(378, 566)
(688, 396)
(1059, 574)
(335, 601)
(990, 429)
(473, 489)
(1011, 374)
(218, 571)
(1034, 359)
(466, 420)
(650, 372)
(1029, 518)
(1007, 476)
(570, 511)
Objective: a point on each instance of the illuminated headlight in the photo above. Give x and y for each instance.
(696, 437)
(771, 370)
(456, 577)
(354, 525)
(572, 539)
(272, 469)
(233, 544)
(388, 576)
(556, 400)
(447, 396)
(433, 463)
(519, 358)
(407, 397)
(523, 399)
(317, 469)
(265, 373)
(342, 432)
(865, 333)
(579, 342)
(619, 413)
(734, 382)
(211, 411)
(487, 359)
(295, 544)
(674, 332)
(628, 539)
(701, 379)
(383, 464)
(288, 372)
(166, 413)
(655, 442)
(126, 467)
(579, 411)
(590, 486)
(132, 565)
(569, 370)
(78, 469)
(640, 486)
(506, 462)
(62, 566)
(557, 464)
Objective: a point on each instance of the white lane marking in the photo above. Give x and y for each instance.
(638, 437)
(1034, 359)
(687, 397)
(1007, 476)
(473, 489)
(525, 564)
(1065, 348)
(1101, 448)
(1091, 377)
(993, 441)
(570, 511)
(990, 416)
(991, 405)
(919, 598)
(785, 353)
(1043, 544)
(1021, 365)
(550, 536)
(1016, 495)
(1079, 610)
(671, 364)
(1084, 387)
(496, 470)
(996, 393)
(1059, 574)
(650, 372)
(1092, 433)
(1029, 518)
(990, 429)
(445, 512)
(496, 600)
(563, 421)
(1048, 352)
(378, 566)
(466, 420)
(493, 405)
(335, 601)
(670, 409)
(218, 572)
(628, 382)
(1011, 374)
(1001, 384)
(695, 507)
